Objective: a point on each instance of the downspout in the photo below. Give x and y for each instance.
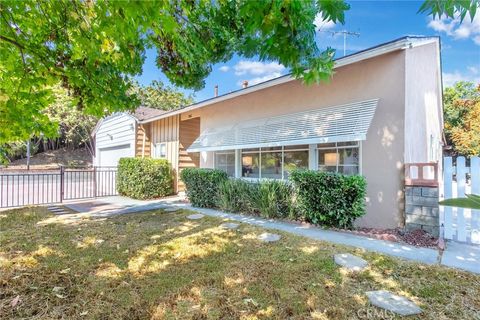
(143, 142)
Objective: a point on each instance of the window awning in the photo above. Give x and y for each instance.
(348, 122)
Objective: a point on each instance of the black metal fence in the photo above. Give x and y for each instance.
(31, 187)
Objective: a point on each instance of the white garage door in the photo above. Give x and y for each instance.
(108, 157)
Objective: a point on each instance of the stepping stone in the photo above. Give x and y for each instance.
(171, 209)
(391, 302)
(195, 216)
(230, 225)
(350, 262)
(269, 237)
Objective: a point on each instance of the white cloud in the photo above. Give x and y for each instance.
(322, 24)
(257, 68)
(449, 78)
(473, 69)
(458, 30)
(259, 71)
(224, 68)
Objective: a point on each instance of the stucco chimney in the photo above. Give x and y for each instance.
(215, 91)
(244, 84)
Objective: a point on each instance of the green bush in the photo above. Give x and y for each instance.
(202, 186)
(268, 198)
(144, 178)
(275, 199)
(330, 199)
(236, 195)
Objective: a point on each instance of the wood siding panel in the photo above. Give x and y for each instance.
(189, 131)
(143, 146)
(166, 131)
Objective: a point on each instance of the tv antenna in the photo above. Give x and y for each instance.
(345, 33)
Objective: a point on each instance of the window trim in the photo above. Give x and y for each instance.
(260, 151)
(358, 144)
(225, 152)
(158, 146)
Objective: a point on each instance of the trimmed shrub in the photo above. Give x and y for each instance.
(144, 178)
(202, 186)
(329, 199)
(268, 198)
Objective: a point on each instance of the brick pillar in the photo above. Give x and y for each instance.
(421, 198)
(421, 209)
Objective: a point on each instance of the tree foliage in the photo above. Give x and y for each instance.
(159, 96)
(472, 201)
(450, 8)
(94, 48)
(462, 117)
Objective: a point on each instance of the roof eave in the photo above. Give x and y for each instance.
(395, 45)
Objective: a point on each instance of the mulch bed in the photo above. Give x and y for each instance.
(418, 237)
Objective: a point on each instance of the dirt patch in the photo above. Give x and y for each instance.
(418, 237)
(55, 158)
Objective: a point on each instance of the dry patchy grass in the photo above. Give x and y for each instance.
(157, 265)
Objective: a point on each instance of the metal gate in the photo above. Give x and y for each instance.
(32, 187)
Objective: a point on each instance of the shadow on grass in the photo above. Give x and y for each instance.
(160, 265)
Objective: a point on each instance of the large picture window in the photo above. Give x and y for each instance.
(341, 157)
(273, 162)
(225, 160)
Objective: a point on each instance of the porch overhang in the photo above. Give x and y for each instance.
(348, 122)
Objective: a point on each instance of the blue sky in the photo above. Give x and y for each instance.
(377, 22)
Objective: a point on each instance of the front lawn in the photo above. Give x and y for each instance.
(157, 265)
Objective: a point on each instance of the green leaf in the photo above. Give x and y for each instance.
(471, 201)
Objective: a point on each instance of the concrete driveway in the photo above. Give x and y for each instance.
(120, 205)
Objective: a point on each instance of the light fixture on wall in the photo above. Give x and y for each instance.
(247, 161)
(110, 136)
(331, 159)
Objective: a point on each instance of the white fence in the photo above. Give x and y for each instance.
(460, 224)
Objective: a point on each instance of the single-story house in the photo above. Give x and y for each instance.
(381, 110)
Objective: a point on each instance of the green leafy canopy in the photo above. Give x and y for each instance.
(472, 201)
(93, 49)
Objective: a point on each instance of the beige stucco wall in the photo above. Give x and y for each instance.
(383, 151)
(423, 104)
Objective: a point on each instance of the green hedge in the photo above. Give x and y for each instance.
(144, 178)
(329, 198)
(202, 186)
(323, 198)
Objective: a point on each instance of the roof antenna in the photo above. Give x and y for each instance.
(215, 91)
(345, 33)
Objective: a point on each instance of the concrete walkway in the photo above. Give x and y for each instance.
(456, 255)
